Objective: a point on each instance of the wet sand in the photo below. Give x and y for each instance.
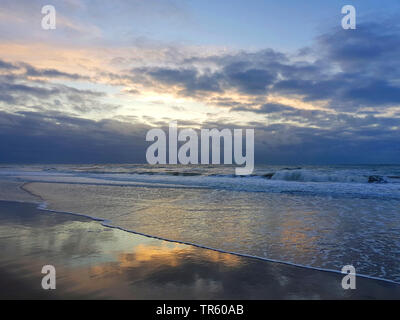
(97, 262)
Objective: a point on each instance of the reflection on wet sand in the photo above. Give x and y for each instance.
(93, 261)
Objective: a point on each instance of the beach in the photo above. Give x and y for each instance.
(145, 232)
(200, 150)
(320, 217)
(97, 262)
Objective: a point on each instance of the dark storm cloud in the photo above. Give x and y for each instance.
(56, 138)
(376, 92)
(284, 143)
(339, 139)
(348, 68)
(248, 73)
(250, 81)
(370, 45)
(367, 69)
(53, 137)
(310, 89)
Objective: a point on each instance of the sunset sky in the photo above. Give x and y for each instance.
(89, 90)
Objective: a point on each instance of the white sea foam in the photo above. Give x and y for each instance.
(343, 182)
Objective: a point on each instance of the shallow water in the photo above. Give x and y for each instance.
(319, 224)
(96, 262)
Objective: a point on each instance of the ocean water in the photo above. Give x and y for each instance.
(315, 216)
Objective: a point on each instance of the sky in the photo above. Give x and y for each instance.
(89, 90)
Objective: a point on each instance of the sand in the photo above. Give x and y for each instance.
(97, 262)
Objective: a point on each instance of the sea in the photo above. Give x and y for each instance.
(322, 217)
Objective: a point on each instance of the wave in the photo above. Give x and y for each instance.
(344, 174)
(312, 176)
(283, 175)
(370, 182)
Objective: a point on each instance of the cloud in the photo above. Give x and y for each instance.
(333, 101)
(20, 92)
(190, 80)
(7, 65)
(347, 70)
(52, 73)
(267, 108)
(364, 69)
(249, 81)
(56, 138)
(371, 46)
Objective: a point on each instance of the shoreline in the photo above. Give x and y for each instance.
(106, 223)
(298, 283)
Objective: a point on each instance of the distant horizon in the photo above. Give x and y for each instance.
(201, 165)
